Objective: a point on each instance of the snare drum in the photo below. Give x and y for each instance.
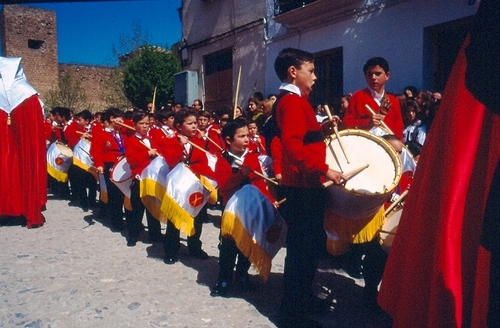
(121, 176)
(59, 159)
(364, 193)
(81, 155)
(389, 228)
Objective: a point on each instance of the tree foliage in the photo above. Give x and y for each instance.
(69, 93)
(147, 68)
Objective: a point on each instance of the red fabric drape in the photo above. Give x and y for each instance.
(431, 276)
(23, 163)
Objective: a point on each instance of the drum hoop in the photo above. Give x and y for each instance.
(113, 168)
(65, 147)
(387, 147)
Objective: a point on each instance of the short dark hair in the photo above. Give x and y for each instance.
(85, 114)
(290, 57)
(374, 62)
(111, 111)
(63, 112)
(229, 130)
(139, 115)
(204, 113)
(181, 115)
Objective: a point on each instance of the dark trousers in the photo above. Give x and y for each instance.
(228, 251)
(373, 269)
(171, 240)
(134, 219)
(83, 180)
(114, 207)
(305, 244)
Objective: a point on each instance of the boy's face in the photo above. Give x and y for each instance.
(142, 126)
(203, 122)
(188, 127)
(252, 129)
(169, 122)
(81, 122)
(376, 77)
(303, 77)
(239, 143)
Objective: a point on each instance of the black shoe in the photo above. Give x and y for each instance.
(199, 254)
(117, 228)
(156, 238)
(243, 282)
(220, 289)
(170, 260)
(315, 305)
(297, 321)
(85, 209)
(131, 242)
(74, 203)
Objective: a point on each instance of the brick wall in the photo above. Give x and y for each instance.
(31, 33)
(93, 80)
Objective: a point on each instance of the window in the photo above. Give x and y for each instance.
(35, 44)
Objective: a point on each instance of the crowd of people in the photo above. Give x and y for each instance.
(284, 128)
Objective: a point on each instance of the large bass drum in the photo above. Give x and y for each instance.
(363, 194)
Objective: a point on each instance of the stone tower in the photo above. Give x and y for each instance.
(31, 33)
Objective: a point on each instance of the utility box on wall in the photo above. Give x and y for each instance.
(186, 87)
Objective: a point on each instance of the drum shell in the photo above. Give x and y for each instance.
(390, 227)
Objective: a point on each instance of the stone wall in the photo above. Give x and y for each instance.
(93, 80)
(31, 33)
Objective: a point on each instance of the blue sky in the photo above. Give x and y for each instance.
(87, 31)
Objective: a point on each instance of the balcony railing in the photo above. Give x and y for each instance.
(284, 6)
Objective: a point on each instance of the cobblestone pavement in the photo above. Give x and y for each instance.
(75, 272)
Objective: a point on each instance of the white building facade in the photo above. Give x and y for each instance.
(419, 39)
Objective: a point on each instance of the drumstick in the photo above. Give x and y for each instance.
(381, 122)
(327, 109)
(348, 175)
(209, 139)
(256, 172)
(282, 201)
(124, 125)
(396, 202)
(352, 173)
(80, 132)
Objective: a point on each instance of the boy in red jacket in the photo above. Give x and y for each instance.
(304, 169)
(140, 150)
(235, 170)
(186, 125)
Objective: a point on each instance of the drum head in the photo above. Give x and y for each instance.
(64, 150)
(121, 171)
(363, 148)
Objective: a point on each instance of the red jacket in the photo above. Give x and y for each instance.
(196, 159)
(257, 146)
(357, 116)
(229, 182)
(304, 150)
(137, 154)
(72, 135)
(105, 148)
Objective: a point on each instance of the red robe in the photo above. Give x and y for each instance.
(437, 273)
(23, 163)
(357, 116)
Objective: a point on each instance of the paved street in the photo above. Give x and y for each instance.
(75, 272)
